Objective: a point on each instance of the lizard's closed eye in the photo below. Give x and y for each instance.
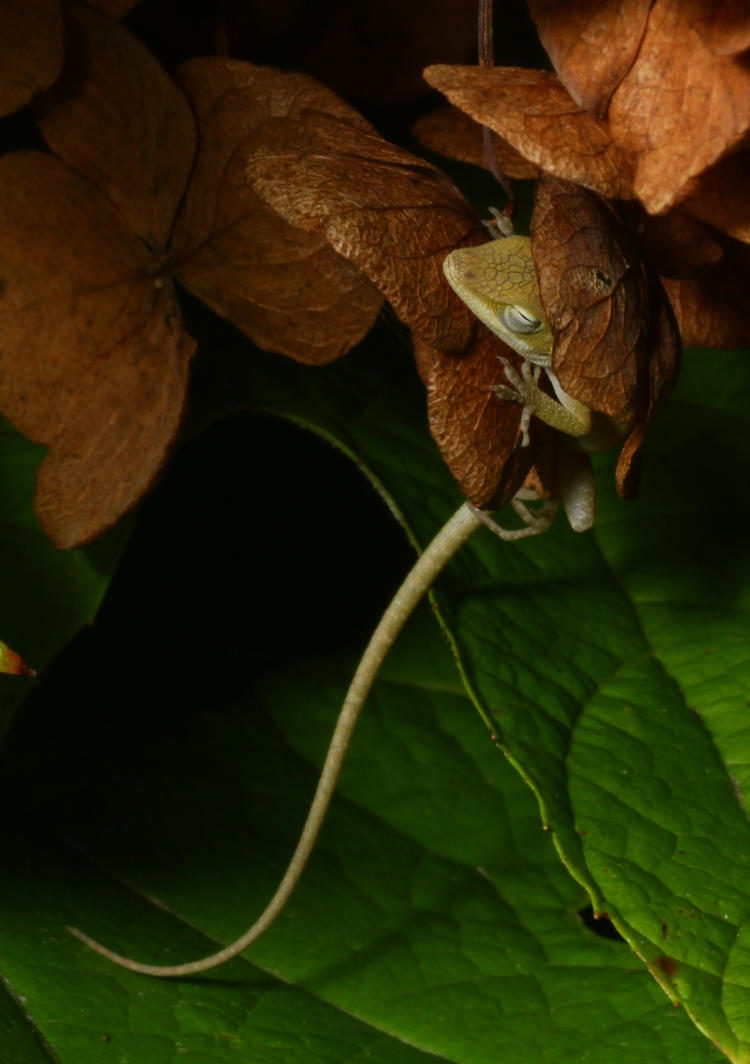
(518, 320)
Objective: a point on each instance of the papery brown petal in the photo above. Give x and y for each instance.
(720, 197)
(678, 244)
(661, 373)
(713, 305)
(616, 345)
(724, 26)
(680, 108)
(477, 432)
(116, 116)
(457, 136)
(594, 292)
(285, 288)
(592, 44)
(388, 212)
(93, 359)
(533, 111)
(707, 315)
(31, 50)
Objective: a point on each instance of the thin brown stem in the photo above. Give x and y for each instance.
(486, 37)
(509, 211)
(486, 51)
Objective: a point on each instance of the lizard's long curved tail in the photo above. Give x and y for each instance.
(442, 548)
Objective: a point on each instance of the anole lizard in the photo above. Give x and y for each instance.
(497, 280)
(512, 309)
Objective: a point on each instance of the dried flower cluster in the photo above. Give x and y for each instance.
(281, 207)
(650, 104)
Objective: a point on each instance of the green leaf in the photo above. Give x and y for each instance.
(47, 594)
(435, 918)
(614, 668)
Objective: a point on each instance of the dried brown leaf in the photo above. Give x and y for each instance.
(285, 288)
(592, 44)
(477, 432)
(116, 116)
(616, 346)
(681, 107)
(709, 313)
(93, 360)
(457, 136)
(724, 26)
(533, 111)
(719, 196)
(595, 296)
(678, 244)
(660, 374)
(31, 50)
(392, 215)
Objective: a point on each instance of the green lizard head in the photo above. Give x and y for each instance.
(497, 281)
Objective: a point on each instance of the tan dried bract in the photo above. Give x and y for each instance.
(454, 134)
(661, 372)
(681, 107)
(285, 288)
(478, 434)
(93, 360)
(705, 274)
(719, 196)
(31, 50)
(592, 44)
(535, 114)
(616, 346)
(710, 311)
(118, 117)
(389, 213)
(678, 244)
(723, 25)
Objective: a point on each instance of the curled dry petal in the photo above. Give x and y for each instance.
(705, 274)
(93, 360)
(592, 44)
(678, 244)
(285, 288)
(681, 107)
(453, 134)
(723, 25)
(658, 379)
(118, 117)
(31, 50)
(710, 313)
(389, 213)
(595, 296)
(616, 346)
(477, 432)
(534, 113)
(719, 196)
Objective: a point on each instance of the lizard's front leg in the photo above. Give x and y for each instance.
(564, 413)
